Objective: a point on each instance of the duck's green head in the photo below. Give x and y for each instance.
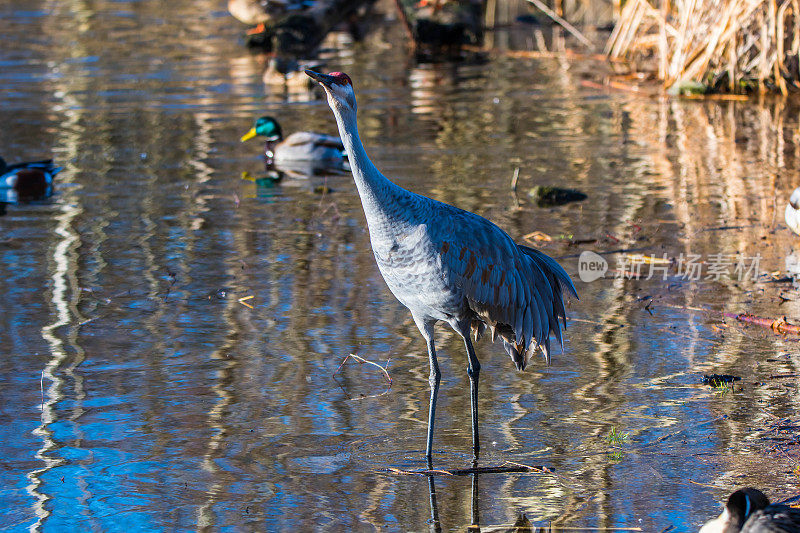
(266, 127)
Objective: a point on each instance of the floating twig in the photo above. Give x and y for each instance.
(507, 467)
(514, 180)
(601, 528)
(778, 325)
(243, 301)
(716, 96)
(537, 236)
(702, 484)
(362, 360)
(617, 85)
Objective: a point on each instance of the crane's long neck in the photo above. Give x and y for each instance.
(377, 193)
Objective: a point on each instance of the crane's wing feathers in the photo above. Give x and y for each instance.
(516, 291)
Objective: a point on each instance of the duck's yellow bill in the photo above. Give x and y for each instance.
(249, 135)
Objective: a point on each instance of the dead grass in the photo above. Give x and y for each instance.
(728, 45)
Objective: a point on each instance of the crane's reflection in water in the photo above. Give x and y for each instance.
(521, 523)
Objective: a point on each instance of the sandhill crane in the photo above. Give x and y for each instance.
(444, 263)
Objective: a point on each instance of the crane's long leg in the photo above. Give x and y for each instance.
(473, 371)
(426, 328)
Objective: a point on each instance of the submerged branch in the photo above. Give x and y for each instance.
(507, 467)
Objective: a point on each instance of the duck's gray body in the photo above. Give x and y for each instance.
(308, 146)
(444, 263)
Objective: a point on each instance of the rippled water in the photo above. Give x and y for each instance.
(139, 392)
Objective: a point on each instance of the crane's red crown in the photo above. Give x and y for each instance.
(341, 78)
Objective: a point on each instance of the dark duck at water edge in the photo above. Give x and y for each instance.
(30, 180)
(447, 264)
(323, 150)
(748, 511)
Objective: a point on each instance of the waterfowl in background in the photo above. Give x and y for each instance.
(792, 214)
(749, 511)
(259, 12)
(326, 151)
(30, 180)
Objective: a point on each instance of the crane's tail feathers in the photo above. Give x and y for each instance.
(552, 300)
(520, 355)
(513, 350)
(561, 282)
(530, 314)
(552, 265)
(546, 350)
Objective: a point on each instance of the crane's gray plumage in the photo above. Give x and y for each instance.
(447, 264)
(748, 510)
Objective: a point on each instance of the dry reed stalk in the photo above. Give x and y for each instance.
(719, 43)
(566, 25)
(662, 40)
(796, 17)
(779, 41)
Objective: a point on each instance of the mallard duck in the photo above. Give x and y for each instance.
(792, 214)
(749, 511)
(259, 12)
(28, 180)
(325, 150)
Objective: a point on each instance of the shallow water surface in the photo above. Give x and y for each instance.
(171, 333)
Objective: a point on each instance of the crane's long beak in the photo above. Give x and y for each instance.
(249, 135)
(324, 79)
